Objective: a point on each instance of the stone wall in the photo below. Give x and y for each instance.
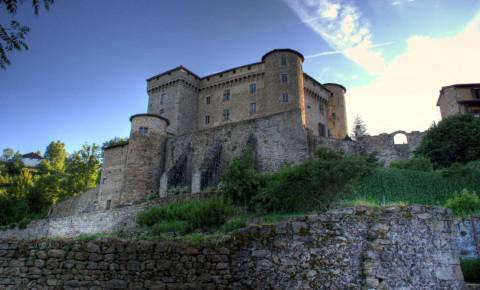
(82, 203)
(386, 150)
(354, 248)
(468, 237)
(277, 140)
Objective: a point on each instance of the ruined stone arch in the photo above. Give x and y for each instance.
(399, 137)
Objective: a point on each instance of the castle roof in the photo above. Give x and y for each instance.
(150, 115)
(283, 50)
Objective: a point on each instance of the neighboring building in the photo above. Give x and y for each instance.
(195, 125)
(459, 99)
(32, 159)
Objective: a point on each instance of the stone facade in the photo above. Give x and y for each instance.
(459, 99)
(354, 248)
(385, 149)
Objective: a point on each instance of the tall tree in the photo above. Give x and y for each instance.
(13, 34)
(359, 128)
(7, 154)
(55, 157)
(83, 169)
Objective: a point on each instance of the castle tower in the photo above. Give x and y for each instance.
(337, 112)
(283, 80)
(145, 159)
(174, 95)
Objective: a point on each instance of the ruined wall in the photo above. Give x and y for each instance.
(386, 150)
(348, 147)
(113, 175)
(277, 140)
(82, 203)
(354, 248)
(468, 237)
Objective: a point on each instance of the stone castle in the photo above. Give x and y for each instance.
(195, 125)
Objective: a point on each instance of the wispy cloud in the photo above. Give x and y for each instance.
(400, 2)
(343, 26)
(332, 52)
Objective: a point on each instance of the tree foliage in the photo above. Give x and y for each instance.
(359, 128)
(26, 193)
(13, 33)
(454, 139)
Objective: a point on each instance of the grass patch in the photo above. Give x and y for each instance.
(471, 270)
(387, 186)
(464, 204)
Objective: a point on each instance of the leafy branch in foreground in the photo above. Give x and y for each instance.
(13, 35)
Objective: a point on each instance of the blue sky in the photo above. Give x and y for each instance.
(85, 72)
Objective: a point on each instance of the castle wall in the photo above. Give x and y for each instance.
(277, 140)
(238, 84)
(81, 203)
(386, 150)
(316, 102)
(354, 248)
(113, 175)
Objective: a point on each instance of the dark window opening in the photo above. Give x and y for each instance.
(207, 119)
(283, 60)
(284, 78)
(226, 115)
(143, 130)
(226, 95)
(253, 108)
(207, 100)
(109, 204)
(285, 98)
(253, 88)
(321, 130)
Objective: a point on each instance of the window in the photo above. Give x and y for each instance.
(253, 108)
(226, 115)
(207, 100)
(285, 98)
(476, 93)
(284, 78)
(321, 130)
(162, 98)
(143, 130)
(109, 204)
(226, 95)
(321, 107)
(253, 88)
(283, 60)
(207, 119)
(162, 111)
(104, 180)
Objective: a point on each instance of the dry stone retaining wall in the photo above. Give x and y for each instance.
(354, 248)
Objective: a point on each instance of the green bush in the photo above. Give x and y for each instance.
(311, 185)
(188, 215)
(454, 139)
(177, 190)
(233, 224)
(464, 204)
(152, 196)
(418, 163)
(23, 223)
(171, 226)
(328, 154)
(471, 270)
(240, 180)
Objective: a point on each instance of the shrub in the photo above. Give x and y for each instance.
(454, 139)
(23, 223)
(188, 215)
(418, 163)
(310, 185)
(471, 270)
(328, 154)
(169, 226)
(177, 190)
(240, 180)
(233, 224)
(152, 196)
(464, 204)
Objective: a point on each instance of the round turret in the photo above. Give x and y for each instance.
(337, 111)
(283, 79)
(145, 158)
